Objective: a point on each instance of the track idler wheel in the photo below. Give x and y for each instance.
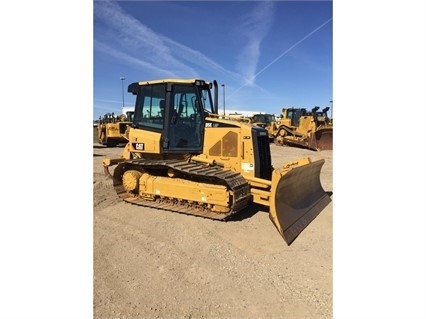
(131, 181)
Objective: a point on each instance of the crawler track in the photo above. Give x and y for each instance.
(192, 171)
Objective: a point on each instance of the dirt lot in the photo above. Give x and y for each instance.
(150, 263)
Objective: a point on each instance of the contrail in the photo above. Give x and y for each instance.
(285, 52)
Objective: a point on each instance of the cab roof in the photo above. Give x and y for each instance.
(171, 81)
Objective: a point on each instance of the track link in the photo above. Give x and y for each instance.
(193, 171)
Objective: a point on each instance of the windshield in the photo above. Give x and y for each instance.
(206, 100)
(149, 110)
(264, 118)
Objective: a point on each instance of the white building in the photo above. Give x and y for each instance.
(125, 109)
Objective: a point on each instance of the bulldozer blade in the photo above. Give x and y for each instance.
(297, 197)
(324, 139)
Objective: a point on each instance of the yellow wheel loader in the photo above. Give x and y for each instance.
(298, 127)
(112, 129)
(183, 157)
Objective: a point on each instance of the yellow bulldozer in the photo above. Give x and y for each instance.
(111, 129)
(264, 120)
(183, 157)
(298, 127)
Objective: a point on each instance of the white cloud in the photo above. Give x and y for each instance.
(140, 45)
(136, 42)
(254, 28)
(105, 48)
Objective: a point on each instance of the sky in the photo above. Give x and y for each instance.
(267, 55)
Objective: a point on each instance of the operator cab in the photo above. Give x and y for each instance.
(295, 114)
(174, 108)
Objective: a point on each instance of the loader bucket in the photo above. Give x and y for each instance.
(297, 197)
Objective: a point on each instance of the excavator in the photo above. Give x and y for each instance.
(183, 157)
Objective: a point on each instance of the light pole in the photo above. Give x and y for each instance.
(223, 85)
(331, 109)
(122, 78)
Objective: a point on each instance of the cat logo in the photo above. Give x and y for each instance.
(139, 146)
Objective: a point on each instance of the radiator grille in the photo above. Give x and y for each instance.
(262, 153)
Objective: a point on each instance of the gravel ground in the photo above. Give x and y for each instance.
(150, 263)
